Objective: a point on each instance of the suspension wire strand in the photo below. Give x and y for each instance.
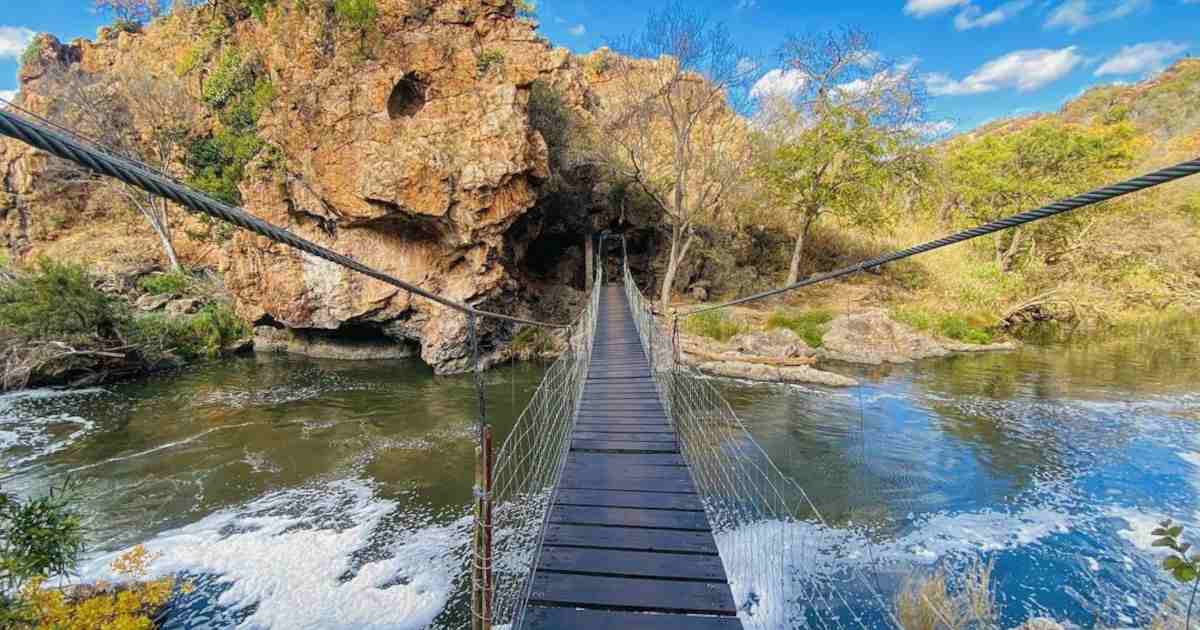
(140, 175)
(1120, 189)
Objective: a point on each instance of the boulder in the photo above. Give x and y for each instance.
(183, 306)
(873, 337)
(776, 342)
(775, 374)
(151, 302)
(1040, 623)
(325, 346)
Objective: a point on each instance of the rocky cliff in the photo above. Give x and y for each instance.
(406, 144)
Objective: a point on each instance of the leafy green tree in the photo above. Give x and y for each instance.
(835, 145)
(1002, 173)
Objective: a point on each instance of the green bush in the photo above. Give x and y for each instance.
(127, 26)
(202, 336)
(357, 14)
(525, 8)
(489, 59)
(32, 51)
(713, 324)
(258, 8)
(956, 327)
(811, 326)
(61, 301)
(218, 163)
(172, 283)
(40, 538)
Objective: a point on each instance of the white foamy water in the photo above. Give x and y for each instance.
(32, 424)
(291, 556)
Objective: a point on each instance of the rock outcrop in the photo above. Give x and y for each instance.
(408, 147)
(872, 337)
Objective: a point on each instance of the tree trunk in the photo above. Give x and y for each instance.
(588, 252)
(798, 252)
(157, 218)
(672, 267)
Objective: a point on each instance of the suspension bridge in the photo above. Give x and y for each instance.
(628, 493)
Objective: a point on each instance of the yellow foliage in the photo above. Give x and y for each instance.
(128, 606)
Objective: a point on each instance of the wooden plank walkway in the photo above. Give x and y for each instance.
(628, 545)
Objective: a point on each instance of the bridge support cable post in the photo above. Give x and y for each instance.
(481, 556)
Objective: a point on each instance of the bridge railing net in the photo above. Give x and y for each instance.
(528, 467)
(773, 541)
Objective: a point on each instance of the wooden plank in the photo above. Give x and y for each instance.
(631, 517)
(661, 436)
(616, 498)
(618, 459)
(643, 564)
(624, 427)
(630, 538)
(582, 619)
(632, 471)
(632, 593)
(631, 447)
(623, 482)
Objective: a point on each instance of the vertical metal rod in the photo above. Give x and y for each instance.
(481, 557)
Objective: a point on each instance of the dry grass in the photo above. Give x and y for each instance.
(932, 602)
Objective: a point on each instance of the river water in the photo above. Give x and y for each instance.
(298, 493)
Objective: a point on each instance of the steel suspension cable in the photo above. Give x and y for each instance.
(1149, 180)
(146, 178)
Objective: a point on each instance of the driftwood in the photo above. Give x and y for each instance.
(23, 361)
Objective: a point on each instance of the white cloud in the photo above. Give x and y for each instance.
(779, 82)
(973, 17)
(746, 65)
(750, 4)
(8, 95)
(1076, 15)
(1024, 70)
(14, 40)
(880, 80)
(578, 30)
(922, 8)
(1140, 58)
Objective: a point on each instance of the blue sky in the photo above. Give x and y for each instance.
(979, 59)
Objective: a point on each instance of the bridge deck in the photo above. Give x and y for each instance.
(628, 544)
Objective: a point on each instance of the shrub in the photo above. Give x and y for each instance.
(713, 324)
(358, 14)
(258, 8)
(165, 283)
(930, 603)
(129, 606)
(33, 50)
(218, 163)
(127, 26)
(811, 326)
(40, 538)
(525, 8)
(489, 59)
(59, 300)
(533, 342)
(202, 336)
(956, 327)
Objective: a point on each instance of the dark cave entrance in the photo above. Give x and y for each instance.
(408, 97)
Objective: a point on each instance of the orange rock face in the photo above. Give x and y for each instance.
(408, 148)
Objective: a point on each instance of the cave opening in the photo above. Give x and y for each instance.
(408, 97)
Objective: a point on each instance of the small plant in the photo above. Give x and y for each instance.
(258, 8)
(165, 283)
(1183, 568)
(956, 327)
(127, 26)
(420, 10)
(33, 50)
(40, 538)
(714, 325)
(58, 300)
(930, 603)
(489, 59)
(525, 8)
(532, 343)
(357, 14)
(811, 326)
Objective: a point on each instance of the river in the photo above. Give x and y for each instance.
(297, 493)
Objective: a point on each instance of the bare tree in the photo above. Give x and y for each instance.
(133, 115)
(671, 128)
(134, 11)
(842, 141)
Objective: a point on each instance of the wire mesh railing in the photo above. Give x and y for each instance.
(529, 465)
(769, 532)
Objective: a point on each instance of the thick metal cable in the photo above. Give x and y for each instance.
(142, 176)
(1149, 180)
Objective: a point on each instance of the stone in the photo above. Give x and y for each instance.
(699, 293)
(774, 374)
(151, 302)
(872, 337)
(776, 342)
(183, 306)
